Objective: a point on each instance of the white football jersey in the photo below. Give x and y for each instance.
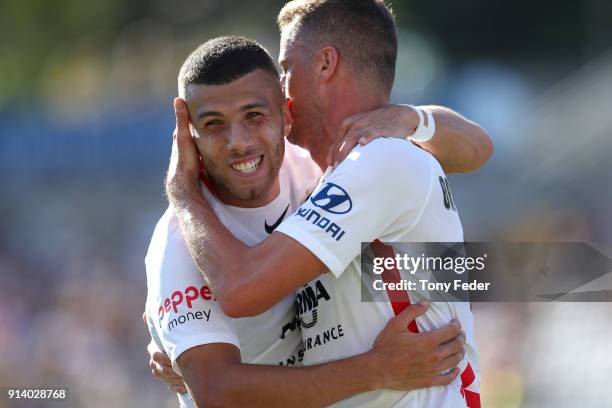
(181, 310)
(391, 191)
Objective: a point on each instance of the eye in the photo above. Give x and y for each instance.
(253, 114)
(213, 122)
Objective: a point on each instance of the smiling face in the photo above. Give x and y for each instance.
(239, 130)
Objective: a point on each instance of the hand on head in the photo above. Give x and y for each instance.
(184, 168)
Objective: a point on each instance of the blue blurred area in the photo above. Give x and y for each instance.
(133, 143)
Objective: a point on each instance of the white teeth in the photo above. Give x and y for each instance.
(247, 167)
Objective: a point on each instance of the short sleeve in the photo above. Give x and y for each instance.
(362, 200)
(180, 304)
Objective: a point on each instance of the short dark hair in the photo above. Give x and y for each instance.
(363, 31)
(223, 60)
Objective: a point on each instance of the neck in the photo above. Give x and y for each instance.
(342, 107)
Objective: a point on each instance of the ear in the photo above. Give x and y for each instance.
(328, 58)
(287, 117)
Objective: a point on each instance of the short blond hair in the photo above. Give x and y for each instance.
(363, 32)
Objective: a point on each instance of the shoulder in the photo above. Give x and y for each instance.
(168, 262)
(393, 153)
(165, 232)
(387, 161)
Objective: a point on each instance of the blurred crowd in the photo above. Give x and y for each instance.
(84, 145)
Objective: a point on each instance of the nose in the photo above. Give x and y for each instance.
(239, 140)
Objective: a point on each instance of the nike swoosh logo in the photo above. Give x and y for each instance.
(270, 228)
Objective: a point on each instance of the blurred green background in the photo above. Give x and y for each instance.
(85, 130)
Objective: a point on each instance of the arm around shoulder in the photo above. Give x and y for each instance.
(459, 144)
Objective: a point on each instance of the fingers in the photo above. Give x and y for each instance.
(460, 338)
(444, 334)
(165, 373)
(161, 368)
(342, 149)
(339, 151)
(451, 361)
(445, 379)
(184, 168)
(347, 124)
(451, 353)
(345, 144)
(360, 133)
(388, 121)
(410, 313)
(329, 160)
(178, 388)
(364, 140)
(365, 136)
(345, 148)
(161, 358)
(452, 347)
(182, 120)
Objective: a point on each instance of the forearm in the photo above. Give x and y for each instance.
(245, 281)
(459, 144)
(315, 386)
(216, 252)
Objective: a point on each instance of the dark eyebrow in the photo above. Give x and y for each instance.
(254, 105)
(208, 113)
(249, 106)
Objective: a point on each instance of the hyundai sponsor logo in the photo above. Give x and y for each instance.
(333, 198)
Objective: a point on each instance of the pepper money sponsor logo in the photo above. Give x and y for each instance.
(333, 199)
(176, 307)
